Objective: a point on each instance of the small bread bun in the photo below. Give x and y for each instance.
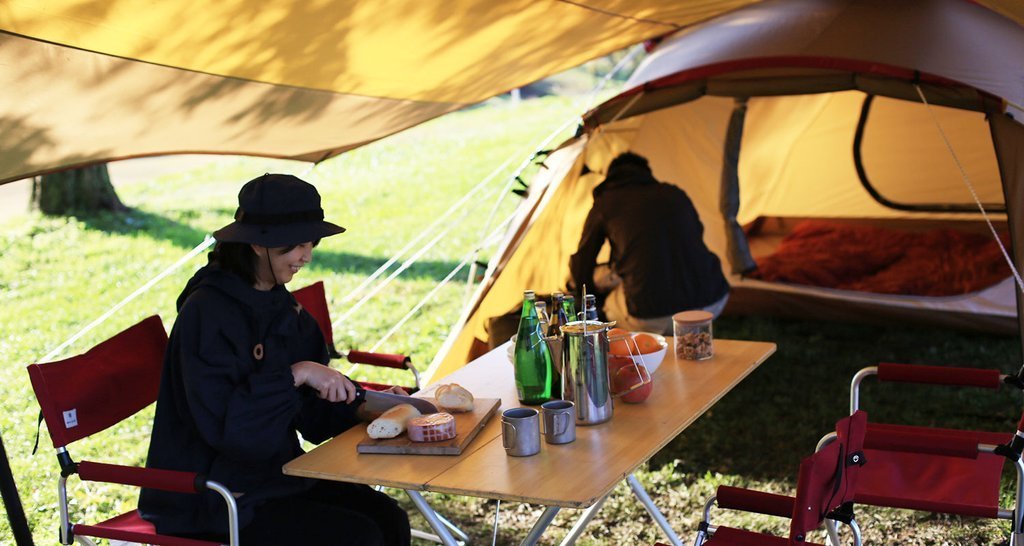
(392, 422)
(454, 398)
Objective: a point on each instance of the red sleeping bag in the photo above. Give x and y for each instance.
(940, 262)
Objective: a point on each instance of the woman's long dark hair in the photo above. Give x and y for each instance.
(237, 258)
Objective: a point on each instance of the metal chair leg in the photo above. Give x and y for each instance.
(833, 532)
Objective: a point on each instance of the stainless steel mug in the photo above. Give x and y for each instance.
(585, 370)
(520, 432)
(559, 417)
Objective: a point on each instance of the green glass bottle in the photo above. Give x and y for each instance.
(534, 369)
(569, 305)
(558, 316)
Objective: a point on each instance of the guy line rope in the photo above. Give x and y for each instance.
(970, 187)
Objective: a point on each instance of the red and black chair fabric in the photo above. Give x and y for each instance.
(825, 491)
(939, 470)
(87, 394)
(314, 300)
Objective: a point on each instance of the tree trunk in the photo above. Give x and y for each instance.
(76, 191)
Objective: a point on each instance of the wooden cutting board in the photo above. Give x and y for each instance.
(467, 426)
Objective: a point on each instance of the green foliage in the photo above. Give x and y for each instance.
(59, 274)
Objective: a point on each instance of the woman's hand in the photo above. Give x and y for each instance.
(370, 416)
(397, 390)
(330, 384)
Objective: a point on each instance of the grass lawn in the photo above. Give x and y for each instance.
(60, 274)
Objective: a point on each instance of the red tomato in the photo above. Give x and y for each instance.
(628, 376)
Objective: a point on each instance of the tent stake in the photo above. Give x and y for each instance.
(9, 491)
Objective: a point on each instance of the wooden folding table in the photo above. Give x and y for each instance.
(576, 475)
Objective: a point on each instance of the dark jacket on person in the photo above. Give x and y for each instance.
(657, 245)
(228, 408)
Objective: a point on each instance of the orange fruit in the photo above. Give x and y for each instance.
(617, 332)
(647, 343)
(620, 344)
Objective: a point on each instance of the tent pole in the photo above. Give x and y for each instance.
(12, 502)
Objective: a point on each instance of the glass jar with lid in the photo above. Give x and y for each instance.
(692, 331)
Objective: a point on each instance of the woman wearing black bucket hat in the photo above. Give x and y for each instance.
(245, 370)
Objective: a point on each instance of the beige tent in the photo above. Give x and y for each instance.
(793, 109)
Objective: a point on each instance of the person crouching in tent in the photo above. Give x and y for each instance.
(245, 369)
(659, 262)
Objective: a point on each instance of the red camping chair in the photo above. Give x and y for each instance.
(313, 299)
(86, 394)
(939, 470)
(824, 490)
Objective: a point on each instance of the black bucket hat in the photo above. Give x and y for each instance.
(277, 210)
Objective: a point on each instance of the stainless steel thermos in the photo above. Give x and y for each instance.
(585, 370)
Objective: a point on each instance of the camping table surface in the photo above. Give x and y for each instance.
(576, 475)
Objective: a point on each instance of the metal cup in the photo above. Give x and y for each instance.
(520, 432)
(559, 421)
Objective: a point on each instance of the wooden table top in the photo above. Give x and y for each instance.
(572, 475)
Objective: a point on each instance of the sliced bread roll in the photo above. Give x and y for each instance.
(392, 422)
(454, 398)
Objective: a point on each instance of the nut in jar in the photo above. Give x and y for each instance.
(692, 331)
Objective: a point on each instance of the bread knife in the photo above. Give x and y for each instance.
(379, 402)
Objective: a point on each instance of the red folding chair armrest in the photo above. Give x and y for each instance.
(166, 480)
(939, 375)
(154, 478)
(396, 361)
(748, 500)
(399, 362)
(921, 374)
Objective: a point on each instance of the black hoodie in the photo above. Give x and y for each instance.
(657, 244)
(228, 415)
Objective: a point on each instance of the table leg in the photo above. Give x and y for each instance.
(542, 524)
(433, 519)
(581, 523)
(641, 495)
